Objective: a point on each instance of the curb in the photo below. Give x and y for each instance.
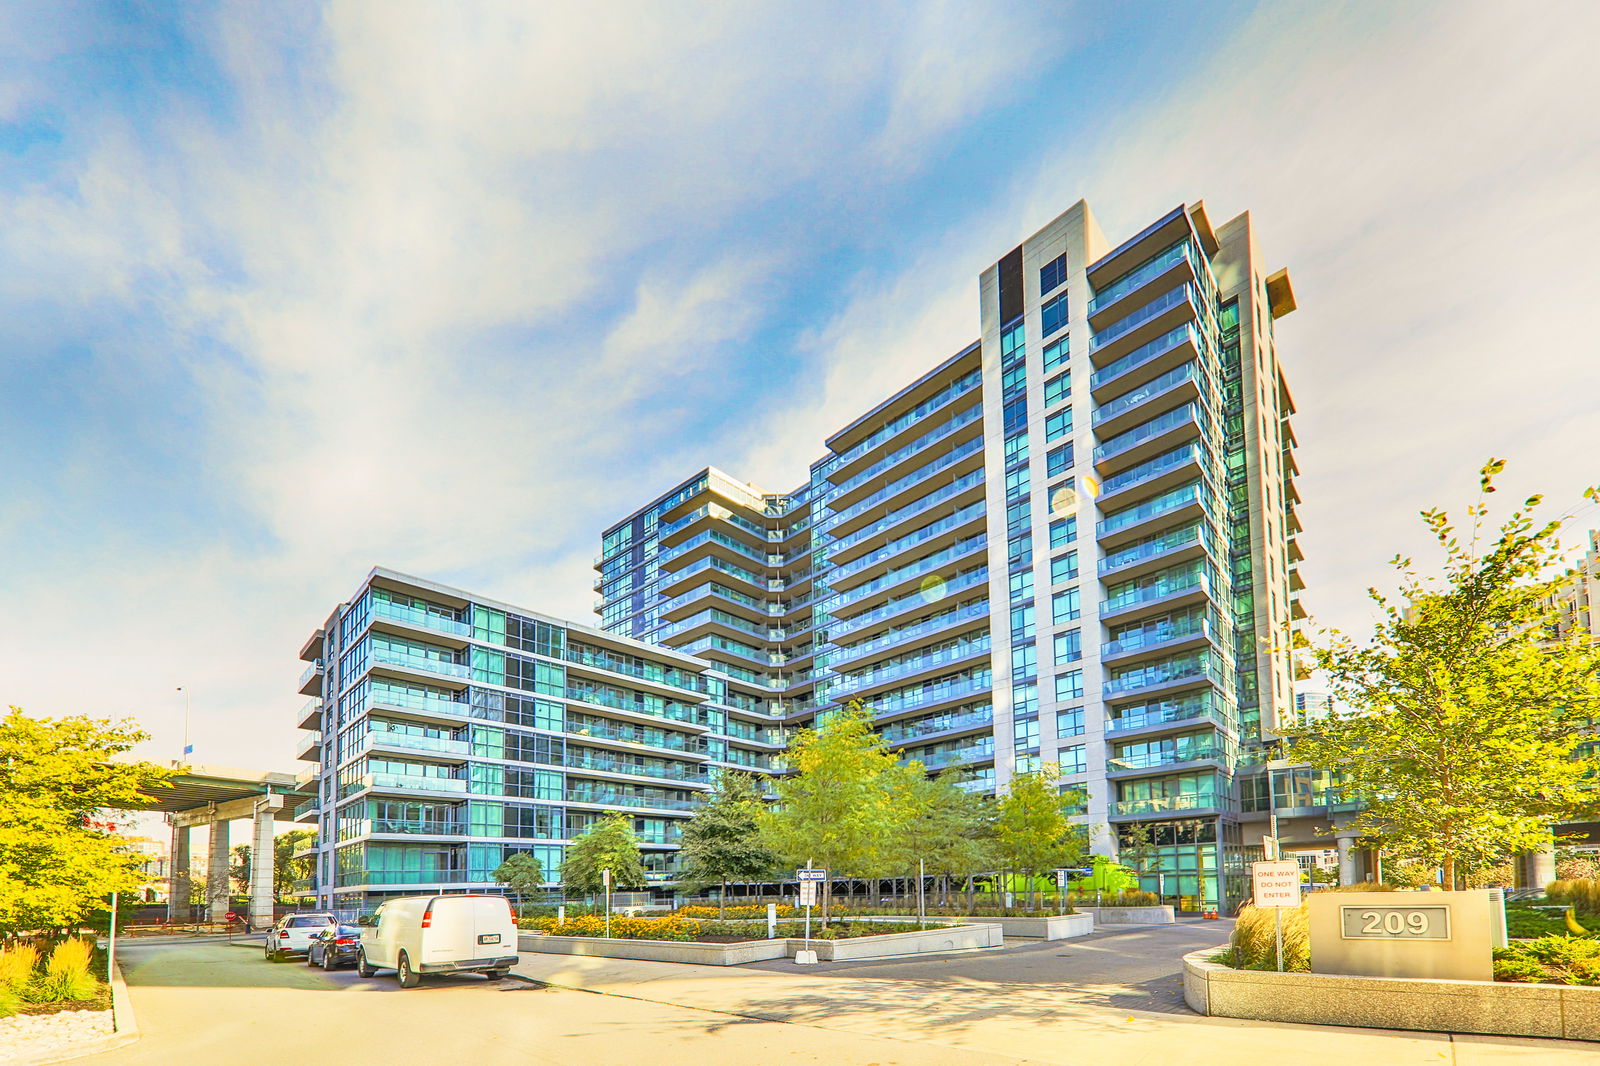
(125, 1028)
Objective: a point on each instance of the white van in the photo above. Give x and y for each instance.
(416, 935)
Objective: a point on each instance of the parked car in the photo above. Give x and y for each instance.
(416, 935)
(334, 946)
(292, 935)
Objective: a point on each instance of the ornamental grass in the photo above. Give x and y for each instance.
(1581, 894)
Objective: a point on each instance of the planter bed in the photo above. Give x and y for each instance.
(1162, 915)
(1427, 1004)
(1047, 927)
(733, 953)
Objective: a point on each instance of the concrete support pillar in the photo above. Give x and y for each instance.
(217, 872)
(261, 868)
(1535, 869)
(1347, 860)
(178, 908)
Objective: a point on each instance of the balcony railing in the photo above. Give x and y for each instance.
(394, 697)
(940, 760)
(671, 710)
(910, 633)
(1151, 547)
(965, 383)
(1123, 326)
(447, 667)
(1183, 455)
(1150, 389)
(669, 771)
(306, 808)
(1178, 416)
(977, 577)
(625, 798)
(604, 729)
(416, 781)
(713, 536)
(310, 672)
(927, 694)
(938, 463)
(1177, 711)
(1151, 509)
(1163, 674)
(1146, 352)
(955, 653)
(1160, 804)
(916, 506)
(419, 827)
(1140, 276)
(900, 574)
(1156, 759)
(1151, 636)
(416, 743)
(584, 655)
(897, 734)
(1165, 583)
(909, 541)
(418, 616)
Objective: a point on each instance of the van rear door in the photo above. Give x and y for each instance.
(496, 932)
(450, 936)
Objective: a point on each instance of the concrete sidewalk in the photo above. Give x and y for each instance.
(1107, 998)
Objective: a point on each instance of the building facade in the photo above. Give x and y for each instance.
(451, 730)
(1070, 542)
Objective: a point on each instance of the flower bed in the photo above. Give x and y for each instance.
(680, 929)
(860, 940)
(696, 910)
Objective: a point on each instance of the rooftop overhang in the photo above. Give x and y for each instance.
(1280, 293)
(201, 786)
(1203, 229)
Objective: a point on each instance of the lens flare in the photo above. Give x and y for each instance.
(1064, 502)
(933, 588)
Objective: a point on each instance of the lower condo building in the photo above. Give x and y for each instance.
(1072, 542)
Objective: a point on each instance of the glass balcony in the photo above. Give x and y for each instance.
(1161, 633)
(901, 574)
(440, 745)
(677, 712)
(908, 634)
(911, 540)
(1122, 442)
(900, 455)
(1123, 326)
(1150, 389)
(895, 702)
(1141, 276)
(417, 781)
(1152, 547)
(310, 672)
(1146, 353)
(1155, 760)
(585, 655)
(712, 536)
(1157, 587)
(418, 827)
(1183, 455)
(1161, 804)
(965, 383)
(898, 734)
(976, 578)
(670, 771)
(417, 878)
(712, 563)
(711, 614)
(1154, 508)
(921, 503)
(713, 589)
(754, 760)
(605, 729)
(395, 697)
(1173, 673)
(956, 653)
(760, 734)
(1168, 712)
(449, 668)
(630, 798)
(419, 617)
(710, 510)
(306, 808)
(940, 760)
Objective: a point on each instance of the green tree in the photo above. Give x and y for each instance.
(608, 844)
(845, 807)
(1137, 849)
(948, 831)
(59, 858)
(520, 872)
(1033, 830)
(1462, 735)
(286, 869)
(722, 841)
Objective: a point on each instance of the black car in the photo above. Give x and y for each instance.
(334, 947)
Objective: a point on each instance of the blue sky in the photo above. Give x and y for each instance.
(290, 290)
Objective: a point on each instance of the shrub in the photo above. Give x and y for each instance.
(1521, 970)
(66, 977)
(1561, 951)
(17, 964)
(1582, 894)
(695, 910)
(1254, 944)
(1524, 922)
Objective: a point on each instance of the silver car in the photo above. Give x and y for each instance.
(292, 935)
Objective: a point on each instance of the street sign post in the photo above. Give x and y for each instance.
(809, 879)
(1276, 884)
(605, 876)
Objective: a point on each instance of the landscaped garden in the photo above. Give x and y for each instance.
(41, 977)
(676, 927)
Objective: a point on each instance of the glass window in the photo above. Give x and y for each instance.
(1022, 627)
(1017, 483)
(1073, 760)
(1052, 315)
(1015, 414)
(1064, 568)
(1068, 646)
(1063, 531)
(1056, 354)
(1057, 389)
(1069, 686)
(1025, 700)
(1016, 448)
(1017, 517)
(1052, 274)
(1022, 586)
(1026, 733)
(1059, 461)
(1024, 662)
(1014, 379)
(1011, 341)
(1064, 606)
(1058, 424)
(1069, 722)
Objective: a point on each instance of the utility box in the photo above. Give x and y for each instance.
(1447, 935)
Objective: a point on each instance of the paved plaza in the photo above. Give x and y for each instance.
(1113, 996)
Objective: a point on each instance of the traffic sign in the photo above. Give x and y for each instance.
(1276, 883)
(811, 875)
(808, 893)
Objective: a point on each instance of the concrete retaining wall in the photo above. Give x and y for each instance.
(886, 946)
(1131, 915)
(1427, 1004)
(1048, 927)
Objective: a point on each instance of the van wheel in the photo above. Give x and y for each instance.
(361, 964)
(409, 978)
(497, 975)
